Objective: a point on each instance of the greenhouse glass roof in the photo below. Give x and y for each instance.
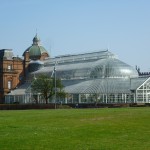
(97, 72)
(90, 65)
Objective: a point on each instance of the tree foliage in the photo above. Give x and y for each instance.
(45, 86)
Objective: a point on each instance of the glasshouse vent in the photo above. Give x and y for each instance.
(95, 77)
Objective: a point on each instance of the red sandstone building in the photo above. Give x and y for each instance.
(13, 70)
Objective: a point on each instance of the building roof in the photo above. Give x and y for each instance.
(93, 65)
(101, 86)
(36, 50)
(20, 90)
(98, 72)
(136, 82)
(6, 54)
(105, 85)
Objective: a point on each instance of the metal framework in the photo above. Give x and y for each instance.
(97, 77)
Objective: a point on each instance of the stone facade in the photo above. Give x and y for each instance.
(11, 72)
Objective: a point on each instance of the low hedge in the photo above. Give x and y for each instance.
(67, 106)
(26, 106)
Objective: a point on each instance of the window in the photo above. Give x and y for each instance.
(9, 67)
(9, 84)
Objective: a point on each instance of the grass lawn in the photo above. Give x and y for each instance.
(75, 129)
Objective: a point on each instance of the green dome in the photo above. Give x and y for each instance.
(36, 50)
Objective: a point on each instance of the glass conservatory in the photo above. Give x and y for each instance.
(96, 77)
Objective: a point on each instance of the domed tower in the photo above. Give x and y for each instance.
(34, 55)
(36, 51)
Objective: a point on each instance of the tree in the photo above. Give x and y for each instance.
(45, 85)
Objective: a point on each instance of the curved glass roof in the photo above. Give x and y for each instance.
(92, 73)
(104, 85)
(90, 68)
(69, 71)
(112, 67)
(101, 86)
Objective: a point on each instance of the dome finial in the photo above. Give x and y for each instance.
(36, 39)
(36, 32)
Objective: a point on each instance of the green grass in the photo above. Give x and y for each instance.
(76, 129)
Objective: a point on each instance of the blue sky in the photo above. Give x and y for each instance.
(78, 26)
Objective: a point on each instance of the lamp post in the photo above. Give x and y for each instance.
(55, 82)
